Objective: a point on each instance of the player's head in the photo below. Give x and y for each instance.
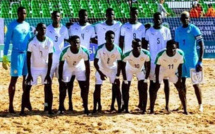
(161, 1)
(209, 5)
(109, 37)
(83, 15)
(21, 12)
(185, 18)
(41, 29)
(68, 24)
(136, 44)
(56, 16)
(157, 18)
(110, 14)
(74, 41)
(171, 47)
(134, 13)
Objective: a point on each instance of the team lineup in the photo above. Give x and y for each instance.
(128, 50)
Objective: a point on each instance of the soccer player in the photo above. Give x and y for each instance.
(131, 30)
(107, 62)
(57, 33)
(19, 35)
(83, 29)
(156, 38)
(70, 65)
(168, 63)
(136, 62)
(39, 62)
(187, 36)
(101, 29)
(109, 24)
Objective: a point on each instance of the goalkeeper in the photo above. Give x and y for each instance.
(18, 34)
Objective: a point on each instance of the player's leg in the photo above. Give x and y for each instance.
(62, 96)
(70, 89)
(116, 89)
(153, 95)
(25, 98)
(49, 96)
(11, 92)
(143, 88)
(166, 91)
(97, 94)
(199, 96)
(125, 92)
(112, 108)
(84, 95)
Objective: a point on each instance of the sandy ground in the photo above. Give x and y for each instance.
(38, 121)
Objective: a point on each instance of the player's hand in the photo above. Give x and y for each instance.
(103, 77)
(157, 85)
(178, 84)
(198, 67)
(29, 78)
(48, 79)
(5, 62)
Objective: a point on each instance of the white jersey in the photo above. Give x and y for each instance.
(169, 64)
(102, 28)
(136, 63)
(57, 35)
(40, 52)
(130, 32)
(157, 39)
(108, 59)
(74, 61)
(85, 33)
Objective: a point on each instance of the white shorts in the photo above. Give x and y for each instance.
(54, 70)
(36, 74)
(165, 75)
(68, 73)
(139, 74)
(111, 74)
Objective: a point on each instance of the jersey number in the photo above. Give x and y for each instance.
(74, 63)
(171, 66)
(82, 35)
(56, 38)
(108, 60)
(158, 40)
(134, 35)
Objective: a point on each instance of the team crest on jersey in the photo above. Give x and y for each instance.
(79, 57)
(175, 60)
(115, 29)
(15, 71)
(46, 47)
(142, 59)
(128, 28)
(188, 31)
(112, 56)
(164, 60)
(24, 31)
(87, 30)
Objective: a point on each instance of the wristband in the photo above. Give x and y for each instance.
(199, 63)
(125, 81)
(117, 77)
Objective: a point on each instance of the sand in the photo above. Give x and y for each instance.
(38, 121)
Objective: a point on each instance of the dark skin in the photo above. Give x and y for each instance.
(115, 86)
(84, 85)
(171, 51)
(133, 20)
(110, 18)
(25, 97)
(157, 25)
(185, 19)
(142, 87)
(12, 86)
(83, 19)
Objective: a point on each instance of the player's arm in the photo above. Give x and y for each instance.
(9, 35)
(121, 42)
(87, 65)
(60, 71)
(93, 38)
(48, 77)
(29, 78)
(103, 77)
(123, 65)
(145, 44)
(157, 73)
(147, 69)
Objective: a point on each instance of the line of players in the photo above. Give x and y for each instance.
(121, 47)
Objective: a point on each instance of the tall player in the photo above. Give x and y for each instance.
(136, 62)
(70, 58)
(129, 31)
(101, 29)
(107, 63)
(168, 64)
(39, 62)
(58, 33)
(19, 35)
(187, 36)
(156, 38)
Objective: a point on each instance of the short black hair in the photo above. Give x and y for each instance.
(73, 38)
(156, 14)
(81, 11)
(39, 25)
(55, 12)
(136, 40)
(20, 9)
(109, 33)
(171, 42)
(109, 10)
(133, 9)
